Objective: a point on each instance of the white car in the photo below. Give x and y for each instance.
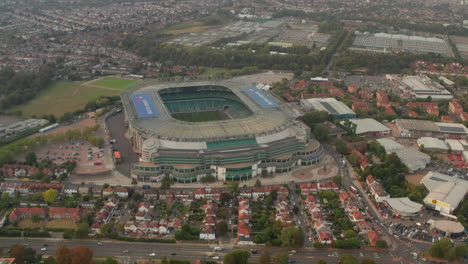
(292, 251)
(43, 249)
(216, 257)
(152, 254)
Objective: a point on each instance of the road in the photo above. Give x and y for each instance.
(137, 250)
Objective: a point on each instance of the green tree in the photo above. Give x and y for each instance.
(292, 236)
(237, 257)
(349, 233)
(321, 133)
(164, 260)
(31, 158)
(321, 261)
(110, 260)
(50, 196)
(348, 259)
(341, 147)
(82, 230)
(221, 228)
(381, 244)
(258, 183)
(22, 254)
(166, 182)
(280, 259)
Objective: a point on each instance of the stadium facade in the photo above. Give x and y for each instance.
(258, 133)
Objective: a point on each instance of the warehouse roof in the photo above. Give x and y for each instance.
(432, 143)
(454, 145)
(331, 105)
(452, 128)
(368, 125)
(445, 188)
(411, 157)
(404, 205)
(413, 124)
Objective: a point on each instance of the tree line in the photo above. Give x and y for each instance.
(19, 87)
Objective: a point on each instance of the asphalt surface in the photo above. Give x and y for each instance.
(115, 124)
(131, 251)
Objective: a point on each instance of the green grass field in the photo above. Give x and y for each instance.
(63, 96)
(114, 83)
(199, 116)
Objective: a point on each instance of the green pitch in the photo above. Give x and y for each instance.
(200, 116)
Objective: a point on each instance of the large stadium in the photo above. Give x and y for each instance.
(227, 129)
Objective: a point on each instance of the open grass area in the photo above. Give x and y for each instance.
(114, 83)
(28, 223)
(199, 116)
(63, 96)
(61, 223)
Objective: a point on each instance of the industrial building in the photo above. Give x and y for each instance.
(334, 107)
(446, 193)
(420, 87)
(368, 127)
(385, 43)
(455, 146)
(258, 134)
(423, 128)
(412, 158)
(432, 144)
(22, 126)
(404, 207)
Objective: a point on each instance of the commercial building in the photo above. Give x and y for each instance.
(258, 134)
(420, 86)
(423, 128)
(455, 146)
(412, 158)
(404, 207)
(432, 144)
(385, 43)
(445, 192)
(450, 228)
(368, 127)
(334, 107)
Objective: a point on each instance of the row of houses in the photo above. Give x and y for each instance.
(208, 230)
(19, 170)
(21, 213)
(244, 231)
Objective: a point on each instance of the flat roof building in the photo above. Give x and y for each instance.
(424, 128)
(334, 107)
(445, 192)
(404, 207)
(455, 145)
(432, 144)
(420, 86)
(412, 158)
(368, 127)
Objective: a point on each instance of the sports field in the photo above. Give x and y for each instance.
(114, 83)
(63, 96)
(200, 116)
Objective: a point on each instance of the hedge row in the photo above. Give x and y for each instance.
(27, 233)
(140, 239)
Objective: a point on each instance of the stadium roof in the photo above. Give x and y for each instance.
(432, 143)
(264, 100)
(411, 157)
(367, 125)
(445, 188)
(331, 105)
(404, 205)
(263, 122)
